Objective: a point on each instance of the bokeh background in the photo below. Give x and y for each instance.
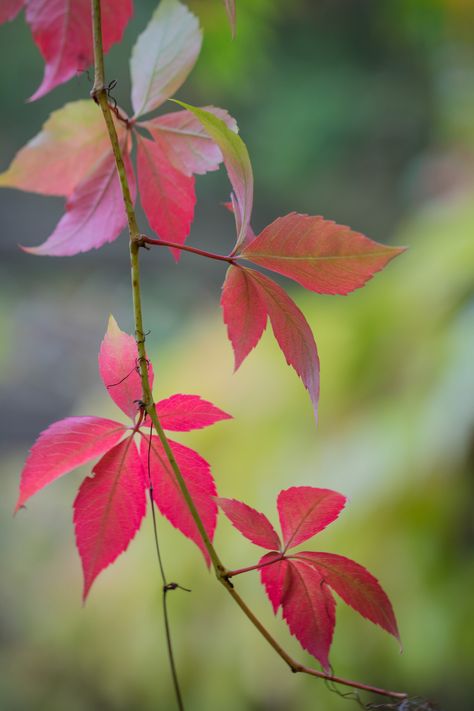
(359, 110)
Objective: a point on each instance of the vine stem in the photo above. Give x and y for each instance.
(186, 248)
(99, 94)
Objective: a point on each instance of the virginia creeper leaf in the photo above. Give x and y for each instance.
(167, 196)
(251, 523)
(163, 55)
(62, 29)
(272, 574)
(306, 510)
(118, 368)
(63, 446)
(237, 163)
(182, 413)
(9, 9)
(55, 161)
(244, 311)
(187, 145)
(309, 609)
(94, 213)
(168, 495)
(319, 254)
(109, 508)
(356, 586)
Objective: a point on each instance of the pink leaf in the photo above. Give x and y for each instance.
(168, 495)
(309, 610)
(94, 214)
(232, 206)
(188, 412)
(54, 162)
(230, 9)
(65, 445)
(251, 523)
(187, 145)
(292, 332)
(244, 310)
(306, 510)
(356, 586)
(118, 368)
(62, 29)
(164, 55)
(167, 196)
(9, 9)
(109, 508)
(319, 254)
(273, 574)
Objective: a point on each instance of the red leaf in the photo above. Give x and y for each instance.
(168, 495)
(273, 575)
(309, 610)
(319, 254)
(62, 29)
(356, 586)
(163, 55)
(109, 508)
(230, 9)
(182, 413)
(306, 510)
(244, 310)
(94, 214)
(187, 145)
(54, 162)
(167, 196)
(118, 368)
(9, 9)
(251, 523)
(65, 445)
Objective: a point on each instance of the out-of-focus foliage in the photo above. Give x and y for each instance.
(361, 111)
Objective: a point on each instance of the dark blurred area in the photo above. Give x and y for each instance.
(359, 110)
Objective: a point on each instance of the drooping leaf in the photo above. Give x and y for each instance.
(182, 413)
(55, 161)
(244, 311)
(319, 254)
(237, 163)
(168, 495)
(306, 510)
(109, 508)
(62, 29)
(163, 55)
(184, 140)
(9, 9)
(230, 9)
(251, 523)
(292, 333)
(63, 446)
(118, 368)
(356, 586)
(166, 194)
(309, 609)
(94, 214)
(273, 572)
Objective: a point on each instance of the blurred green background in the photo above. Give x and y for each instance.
(359, 110)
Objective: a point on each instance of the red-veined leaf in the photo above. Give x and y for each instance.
(118, 368)
(63, 446)
(9, 9)
(94, 214)
(237, 163)
(251, 523)
(62, 29)
(163, 55)
(168, 495)
(356, 586)
(272, 574)
(319, 254)
(54, 162)
(306, 510)
(309, 610)
(244, 311)
(187, 145)
(167, 196)
(182, 413)
(109, 508)
(230, 9)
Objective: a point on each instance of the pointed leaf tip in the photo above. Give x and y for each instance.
(251, 523)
